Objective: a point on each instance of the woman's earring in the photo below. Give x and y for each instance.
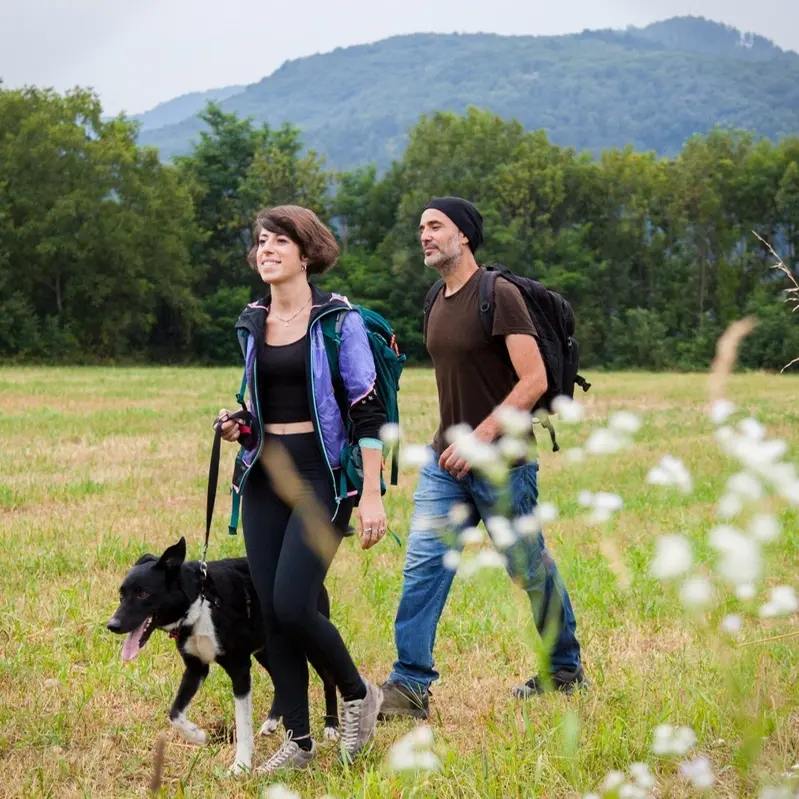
(304, 267)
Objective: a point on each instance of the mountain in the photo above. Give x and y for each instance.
(651, 87)
(171, 112)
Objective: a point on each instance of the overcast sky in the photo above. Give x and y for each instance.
(136, 54)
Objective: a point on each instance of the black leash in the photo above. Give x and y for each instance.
(244, 418)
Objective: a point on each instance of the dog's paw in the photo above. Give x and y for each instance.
(331, 733)
(269, 726)
(239, 768)
(191, 732)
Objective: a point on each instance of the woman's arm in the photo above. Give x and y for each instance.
(368, 416)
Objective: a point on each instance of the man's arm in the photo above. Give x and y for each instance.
(529, 365)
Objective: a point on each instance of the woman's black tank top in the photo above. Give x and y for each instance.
(282, 383)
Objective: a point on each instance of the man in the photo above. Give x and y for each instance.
(474, 380)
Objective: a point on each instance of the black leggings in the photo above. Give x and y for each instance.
(288, 576)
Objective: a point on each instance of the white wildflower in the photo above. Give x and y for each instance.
(471, 535)
(721, 410)
(696, 592)
(528, 525)
(642, 776)
(732, 624)
(764, 528)
(491, 559)
(478, 453)
(776, 793)
(390, 434)
(484, 559)
(452, 559)
(746, 486)
(625, 422)
(671, 741)
(568, 409)
(628, 791)
(730, 505)
(278, 791)
(672, 557)
(698, 772)
(415, 455)
(513, 421)
(413, 751)
(547, 512)
(575, 455)
(607, 501)
(745, 592)
(603, 505)
(752, 429)
(605, 442)
(671, 471)
(612, 781)
(586, 499)
(459, 514)
(512, 449)
(782, 602)
(501, 531)
(740, 555)
(457, 432)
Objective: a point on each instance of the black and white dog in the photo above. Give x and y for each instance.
(225, 627)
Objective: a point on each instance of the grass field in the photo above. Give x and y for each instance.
(101, 465)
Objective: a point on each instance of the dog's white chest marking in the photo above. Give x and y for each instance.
(202, 642)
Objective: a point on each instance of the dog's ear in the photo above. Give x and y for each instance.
(148, 558)
(174, 556)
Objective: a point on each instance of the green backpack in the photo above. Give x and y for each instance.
(388, 369)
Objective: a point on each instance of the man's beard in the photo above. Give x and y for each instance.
(448, 260)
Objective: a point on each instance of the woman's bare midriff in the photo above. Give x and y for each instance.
(289, 428)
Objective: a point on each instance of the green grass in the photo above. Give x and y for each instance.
(101, 465)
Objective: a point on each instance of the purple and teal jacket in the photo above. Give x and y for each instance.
(356, 366)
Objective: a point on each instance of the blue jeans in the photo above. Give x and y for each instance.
(427, 580)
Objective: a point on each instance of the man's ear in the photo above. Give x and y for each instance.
(174, 556)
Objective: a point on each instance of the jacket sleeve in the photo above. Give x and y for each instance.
(357, 368)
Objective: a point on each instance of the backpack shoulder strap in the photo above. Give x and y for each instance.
(432, 293)
(487, 301)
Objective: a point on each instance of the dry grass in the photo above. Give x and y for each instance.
(102, 465)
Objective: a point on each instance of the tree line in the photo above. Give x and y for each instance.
(109, 255)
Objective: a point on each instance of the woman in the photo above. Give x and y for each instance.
(292, 400)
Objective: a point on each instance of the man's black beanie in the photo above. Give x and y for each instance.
(464, 215)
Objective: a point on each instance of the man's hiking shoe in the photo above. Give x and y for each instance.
(288, 756)
(565, 681)
(400, 700)
(359, 721)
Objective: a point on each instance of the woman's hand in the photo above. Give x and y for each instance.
(371, 517)
(230, 427)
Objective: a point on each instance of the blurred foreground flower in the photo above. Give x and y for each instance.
(568, 410)
(672, 557)
(669, 740)
(671, 471)
(698, 772)
(782, 602)
(413, 752)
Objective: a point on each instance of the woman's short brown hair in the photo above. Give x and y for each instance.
(305, 229)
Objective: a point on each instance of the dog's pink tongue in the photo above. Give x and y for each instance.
(131, 646)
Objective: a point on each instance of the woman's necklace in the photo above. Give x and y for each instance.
(294, 316)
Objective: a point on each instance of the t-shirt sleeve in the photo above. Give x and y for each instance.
(510, 312)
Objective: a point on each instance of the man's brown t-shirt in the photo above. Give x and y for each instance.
(472, 375)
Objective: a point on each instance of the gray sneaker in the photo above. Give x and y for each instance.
(359, 721)
(290, 756)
